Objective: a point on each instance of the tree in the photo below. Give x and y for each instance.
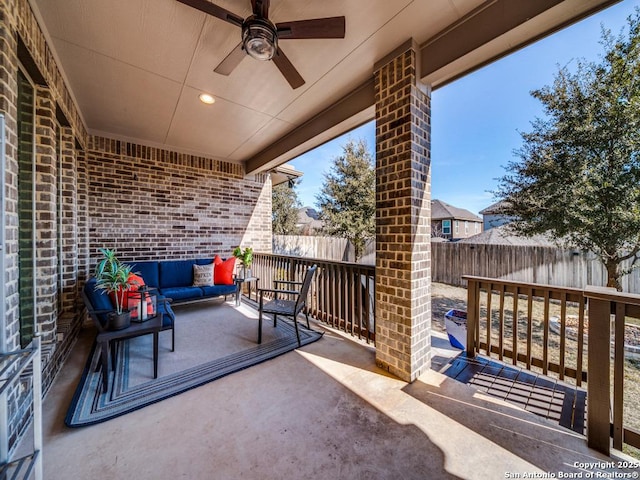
(436, 230)
(347, 201)
(578, 173)
(285, 205)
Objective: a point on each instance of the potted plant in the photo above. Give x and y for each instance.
(245, 257)
(113, 277)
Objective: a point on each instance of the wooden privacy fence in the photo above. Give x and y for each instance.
(451, 260)
(521, 263)
(547, 328)
(326, 248)
(341, 295)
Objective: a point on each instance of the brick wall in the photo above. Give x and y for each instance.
(144, 202)
(70, 242)
(82, 215)
(45, 216)
(21, 40)
(68, 234)
(8, 90)
(148, 203)
(403, 210)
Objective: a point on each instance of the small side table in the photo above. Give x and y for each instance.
(239, 281)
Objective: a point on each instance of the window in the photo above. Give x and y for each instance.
(446, 227)
(476, 229)
(457, 226)
(466, 227)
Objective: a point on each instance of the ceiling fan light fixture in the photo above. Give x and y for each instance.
(259, 38)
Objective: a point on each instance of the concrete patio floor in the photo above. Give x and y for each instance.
(321, 412)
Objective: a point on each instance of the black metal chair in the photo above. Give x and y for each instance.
(107, 339)
(287, 308)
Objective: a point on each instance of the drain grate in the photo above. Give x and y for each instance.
(538, 394)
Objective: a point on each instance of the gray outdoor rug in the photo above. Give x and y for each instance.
(213, 339)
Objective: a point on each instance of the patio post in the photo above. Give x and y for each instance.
(45, 215)
(68, 234)
(403, 214)
(598, 370)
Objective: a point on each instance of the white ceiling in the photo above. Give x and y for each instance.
(136, 67)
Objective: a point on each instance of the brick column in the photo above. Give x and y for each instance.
(46, 242)
(403, 215)
(68, 235)
(84, 267)
(8, 96)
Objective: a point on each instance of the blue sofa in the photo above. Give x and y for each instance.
(174, 279)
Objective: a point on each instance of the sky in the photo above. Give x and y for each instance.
(476, 121)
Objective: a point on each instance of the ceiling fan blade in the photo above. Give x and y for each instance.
(260, 8)
(231, 61)
(216, 11)
(332, 27)
(287, 69)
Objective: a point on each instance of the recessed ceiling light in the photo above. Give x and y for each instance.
(206, 98)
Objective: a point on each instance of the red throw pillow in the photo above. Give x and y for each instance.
(130, 298)
(223, 271)
(136, 280)
(217, 260)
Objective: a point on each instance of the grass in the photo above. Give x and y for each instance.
(632, 321)
(445, 297)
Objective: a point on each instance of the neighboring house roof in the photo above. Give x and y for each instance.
(308, 217)
(494, 209)
(502, 235)
(307, 214)
(441, 210)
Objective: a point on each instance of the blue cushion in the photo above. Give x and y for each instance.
(176, 273)
(182, 293)
(99, 299)
(149, 271)
(218, 290)
(204, 261)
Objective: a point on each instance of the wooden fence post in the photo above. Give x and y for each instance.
(598, 369)
(473, 293)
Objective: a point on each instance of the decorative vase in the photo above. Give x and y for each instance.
(246, 272)
(118, 321)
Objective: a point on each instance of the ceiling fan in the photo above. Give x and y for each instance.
(260, 36)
